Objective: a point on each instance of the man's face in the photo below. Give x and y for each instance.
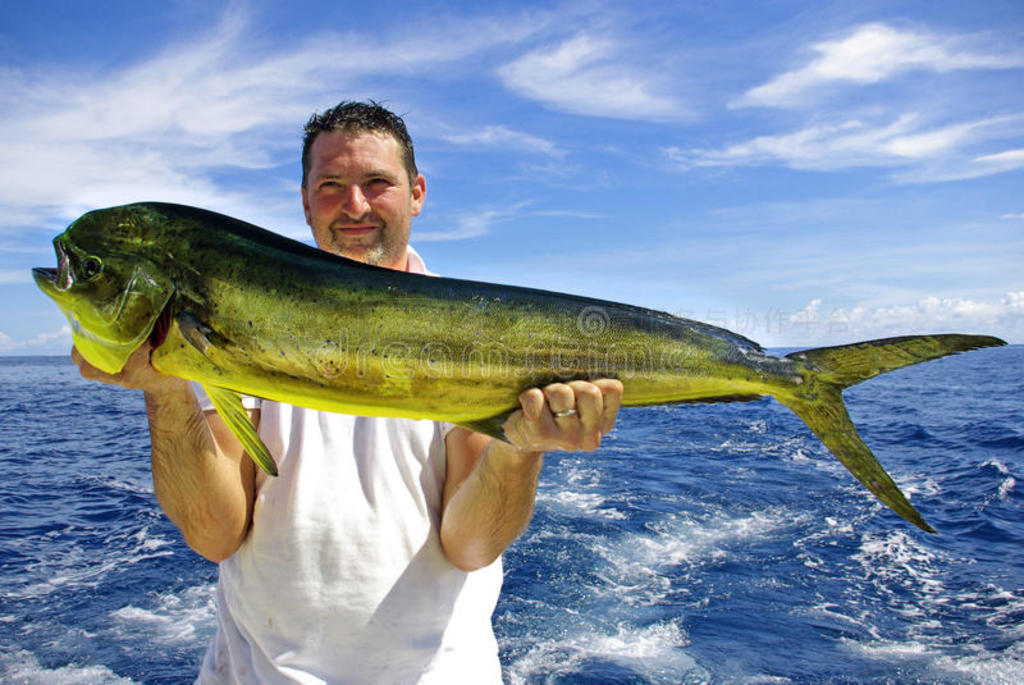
(358, 199)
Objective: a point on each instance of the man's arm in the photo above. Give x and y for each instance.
(202, 478)
(491, 485)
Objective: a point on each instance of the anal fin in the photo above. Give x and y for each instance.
(228, 404)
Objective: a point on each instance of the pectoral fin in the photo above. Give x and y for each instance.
(193, 330)
(228, 404)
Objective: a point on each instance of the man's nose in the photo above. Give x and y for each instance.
(355, 204)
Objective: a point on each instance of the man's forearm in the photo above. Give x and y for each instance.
(198, 487)
(492, 507)
(490, 485)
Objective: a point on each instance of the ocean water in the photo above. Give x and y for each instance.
(700, 544)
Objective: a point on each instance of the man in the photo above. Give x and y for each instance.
(375, 555)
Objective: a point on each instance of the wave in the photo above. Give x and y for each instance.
(171, 619)
(21, 667)
(652, 654)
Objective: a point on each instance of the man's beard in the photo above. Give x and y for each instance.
(377, 254)
(380, 253)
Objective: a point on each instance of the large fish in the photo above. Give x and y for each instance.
(244, 310)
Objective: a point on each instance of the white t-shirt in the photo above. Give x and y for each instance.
(342, 578)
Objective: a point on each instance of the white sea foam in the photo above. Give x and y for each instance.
(800, 456)
(759, 426)
(736, 446)
(814, 547)
(22, 667)
(1000, 609)
(894, 557)
(985, 668)
(683, 539)
(655, 652)
(1006, 485)
(935, 665)
(172, 619)
(917, 484)
(580, 495)
(897, 564)
(888, 650)
(585, 502)
(997, 465)
(642, 569)
(142, 486)
(75, 567)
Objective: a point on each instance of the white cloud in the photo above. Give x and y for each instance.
(504, 137)
(1004, 161)
(568, 214)
(166, 127)
(871, 54)
(808, 315)
(466, 226)
(12, 276)
(817, 323)
(967, 167)
(907, 141)
(471, 224)
(52, 342)
(590, 76)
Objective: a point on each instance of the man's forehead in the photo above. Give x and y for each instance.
(342, 141)
(337, 154)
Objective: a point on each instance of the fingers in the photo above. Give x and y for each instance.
(87, 370)
(586, 423)
(611, 392)
(532, 401)
(567, 416)
(90, 372)
(137, 372)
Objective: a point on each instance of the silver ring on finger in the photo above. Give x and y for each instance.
(564, 413)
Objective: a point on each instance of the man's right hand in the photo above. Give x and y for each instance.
(138, 373)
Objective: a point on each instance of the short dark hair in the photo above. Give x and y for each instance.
(359, 117)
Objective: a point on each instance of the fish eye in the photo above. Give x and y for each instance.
(90, 268)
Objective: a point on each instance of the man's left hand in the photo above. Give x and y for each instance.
(565, 416)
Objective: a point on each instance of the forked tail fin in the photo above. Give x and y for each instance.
(820, 402)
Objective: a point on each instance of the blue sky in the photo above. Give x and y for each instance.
(803, 173)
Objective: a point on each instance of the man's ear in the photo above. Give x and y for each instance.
(305, 208)
(419, 194)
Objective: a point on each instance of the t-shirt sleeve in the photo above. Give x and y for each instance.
(446, 428)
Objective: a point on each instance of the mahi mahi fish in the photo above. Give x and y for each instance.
(240, 309)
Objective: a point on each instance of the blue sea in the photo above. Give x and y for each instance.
(700, 544)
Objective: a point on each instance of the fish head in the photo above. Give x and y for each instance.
(108, 283)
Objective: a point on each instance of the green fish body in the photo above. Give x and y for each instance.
(244, 310)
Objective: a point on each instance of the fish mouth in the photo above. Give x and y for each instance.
(45, 276)
(49, 281)
(59, 279)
